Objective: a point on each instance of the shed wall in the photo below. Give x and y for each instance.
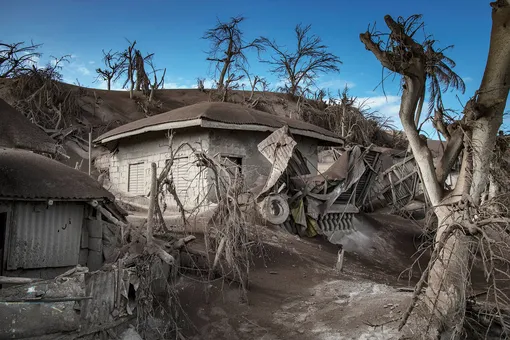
(43, 236)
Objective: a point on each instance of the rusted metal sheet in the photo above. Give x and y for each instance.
(398, 184)
(110, 295)
(278, 149)
(102, 286)
(357, 193)
(45, 236)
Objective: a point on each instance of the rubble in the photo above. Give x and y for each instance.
(42, 308)
(308, 204)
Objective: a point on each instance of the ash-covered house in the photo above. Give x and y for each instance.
(229, 130)
(47, 222)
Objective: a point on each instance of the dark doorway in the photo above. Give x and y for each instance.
(3, 229)
(234, 166)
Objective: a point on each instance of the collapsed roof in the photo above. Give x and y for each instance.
(220, 116)
(26, 175)
(17, 131)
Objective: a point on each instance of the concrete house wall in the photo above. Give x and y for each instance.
(154, 147)
(192, 183)
(234, 143)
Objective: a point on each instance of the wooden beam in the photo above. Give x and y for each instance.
(17, 280)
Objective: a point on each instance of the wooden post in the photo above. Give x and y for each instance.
(152, 203)
(90, 151)
(340, 260)
(118, 297)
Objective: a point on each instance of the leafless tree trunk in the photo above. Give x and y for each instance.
(490, 100)
(445, 295)
(17, 58)
(129, 57)
(157, 84)
(301, 67)
(228, 50)
(114, 68)
(142, 80)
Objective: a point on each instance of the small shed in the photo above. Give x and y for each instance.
(230, 131)
(47, 223)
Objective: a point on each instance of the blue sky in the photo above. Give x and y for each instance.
(172, 30)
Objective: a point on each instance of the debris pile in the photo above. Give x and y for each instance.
(397, 186)
(136, 283)
(308, 204)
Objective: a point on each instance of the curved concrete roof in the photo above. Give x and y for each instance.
(220, 116)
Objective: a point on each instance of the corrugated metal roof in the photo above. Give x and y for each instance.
(278, 149)
(26, 175)
(228, 113)
(44, 237)
(104, 288)
(16, 131)
(364, 183)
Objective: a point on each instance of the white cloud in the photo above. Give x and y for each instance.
(102, 85)
(467, 79)
(378, 102)
(34, 61)
(280, 84)
(244, 83)
(209, 83)
(83, 70)
(173, 85)
(92, 62)
(386, 106)
(335, 84)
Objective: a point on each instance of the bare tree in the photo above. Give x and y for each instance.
(39, 94)
(17, 58)
(114, 67)
(458, 211)
(129, 67)
(157, 83)
(142, 80)
(257, 83)
(228, 50)
(300, 68)
(52, 70)
(352, 119)
(201, 84)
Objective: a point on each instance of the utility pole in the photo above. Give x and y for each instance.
(90, 150)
